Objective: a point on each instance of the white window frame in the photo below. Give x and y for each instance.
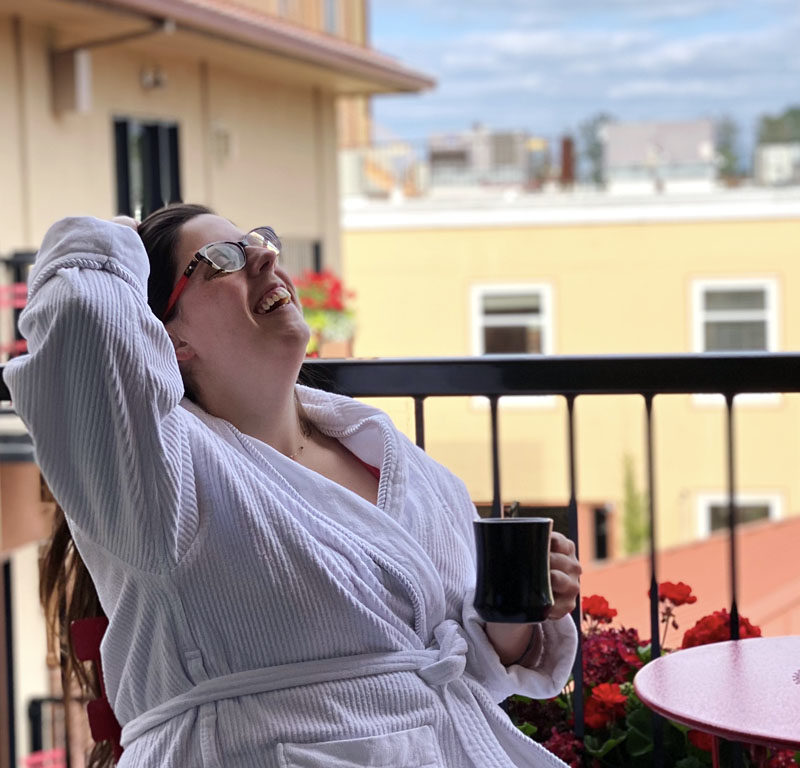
(770, 287)
(705, 501)
(545, 291)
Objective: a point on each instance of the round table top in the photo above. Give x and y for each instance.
(741, 690)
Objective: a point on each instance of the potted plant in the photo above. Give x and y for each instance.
(618, 727)
(332, 322)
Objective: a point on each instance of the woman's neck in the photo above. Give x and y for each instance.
(267, 411)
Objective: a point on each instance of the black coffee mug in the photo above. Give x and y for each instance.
(513, 580)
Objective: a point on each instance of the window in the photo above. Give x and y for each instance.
(148, 166)
(713, 511)
(601, 533)
(511, 319)
(735, 316)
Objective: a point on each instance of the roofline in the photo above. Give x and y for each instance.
(541, 211)
(271, 35)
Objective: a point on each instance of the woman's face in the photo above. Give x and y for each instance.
(223, 319)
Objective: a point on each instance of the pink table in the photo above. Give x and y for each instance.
(740, 690)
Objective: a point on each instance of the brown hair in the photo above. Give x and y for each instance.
(66, 590)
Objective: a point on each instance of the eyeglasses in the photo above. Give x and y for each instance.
(224, 258)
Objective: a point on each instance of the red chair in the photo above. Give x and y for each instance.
(86, 637)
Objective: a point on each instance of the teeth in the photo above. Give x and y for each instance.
(273, 300)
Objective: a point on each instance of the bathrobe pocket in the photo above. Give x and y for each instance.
(414, 748)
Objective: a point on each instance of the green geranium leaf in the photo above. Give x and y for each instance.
(689, 762)
(645, 652)
(640, 732)
(596, 749)
(529, 729)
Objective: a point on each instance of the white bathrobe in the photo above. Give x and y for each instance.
(261, 616)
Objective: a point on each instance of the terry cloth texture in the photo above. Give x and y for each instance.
(240, 585)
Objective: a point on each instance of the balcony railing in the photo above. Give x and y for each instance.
(647, 376)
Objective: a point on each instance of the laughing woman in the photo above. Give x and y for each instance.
(287, 577)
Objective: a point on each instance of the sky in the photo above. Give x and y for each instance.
(545, 66)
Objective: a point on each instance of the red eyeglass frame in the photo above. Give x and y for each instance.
(242, 245)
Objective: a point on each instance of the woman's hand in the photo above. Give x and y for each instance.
(565, 573)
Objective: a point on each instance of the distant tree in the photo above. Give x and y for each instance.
(781, 128)
(635, 527)
(727, 148)
(593, 145)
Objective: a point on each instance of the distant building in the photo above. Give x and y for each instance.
(777, 164)
(480, 156)
(660, 157)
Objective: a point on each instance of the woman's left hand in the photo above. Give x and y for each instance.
(565, 573)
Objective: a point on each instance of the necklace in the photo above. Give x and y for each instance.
(305, 431)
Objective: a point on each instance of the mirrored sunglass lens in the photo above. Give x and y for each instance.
(225, 256)
(263, 237)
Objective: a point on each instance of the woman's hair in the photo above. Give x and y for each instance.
(160, 232)
(66, 590)
(67, 593)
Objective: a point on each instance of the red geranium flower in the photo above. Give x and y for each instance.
(782, 759)
(716, 628)
(597, 607)
(609, 695)
(677, 594)
(595, 715)
(701, 739)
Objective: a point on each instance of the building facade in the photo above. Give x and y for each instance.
(122, 106)
(572, 275)
(654, 157)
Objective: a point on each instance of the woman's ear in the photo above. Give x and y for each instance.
(183, 350)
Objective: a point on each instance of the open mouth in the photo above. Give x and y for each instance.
(276, 298)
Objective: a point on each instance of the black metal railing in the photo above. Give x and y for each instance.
(571, 377)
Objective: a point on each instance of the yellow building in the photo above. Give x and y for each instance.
(120, 106)
(573, 274)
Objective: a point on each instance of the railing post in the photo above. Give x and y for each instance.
(729, 440)
(655, 641)
(419, 420)
(497, 502)
(736, 749)
(572, 522)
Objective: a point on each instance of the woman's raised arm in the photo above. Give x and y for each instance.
(99, 389)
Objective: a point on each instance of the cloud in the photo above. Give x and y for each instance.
(545, 65)
(634, 89)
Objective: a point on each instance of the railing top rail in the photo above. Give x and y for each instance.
(713, 373)
(498, 375)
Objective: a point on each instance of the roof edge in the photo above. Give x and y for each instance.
(257, 30)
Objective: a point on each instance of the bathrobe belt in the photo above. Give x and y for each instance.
(436, 666)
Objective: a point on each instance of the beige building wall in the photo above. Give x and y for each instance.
(614, 288)
(12, 224)
(258, 151)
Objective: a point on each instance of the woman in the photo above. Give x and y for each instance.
(287, 577)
